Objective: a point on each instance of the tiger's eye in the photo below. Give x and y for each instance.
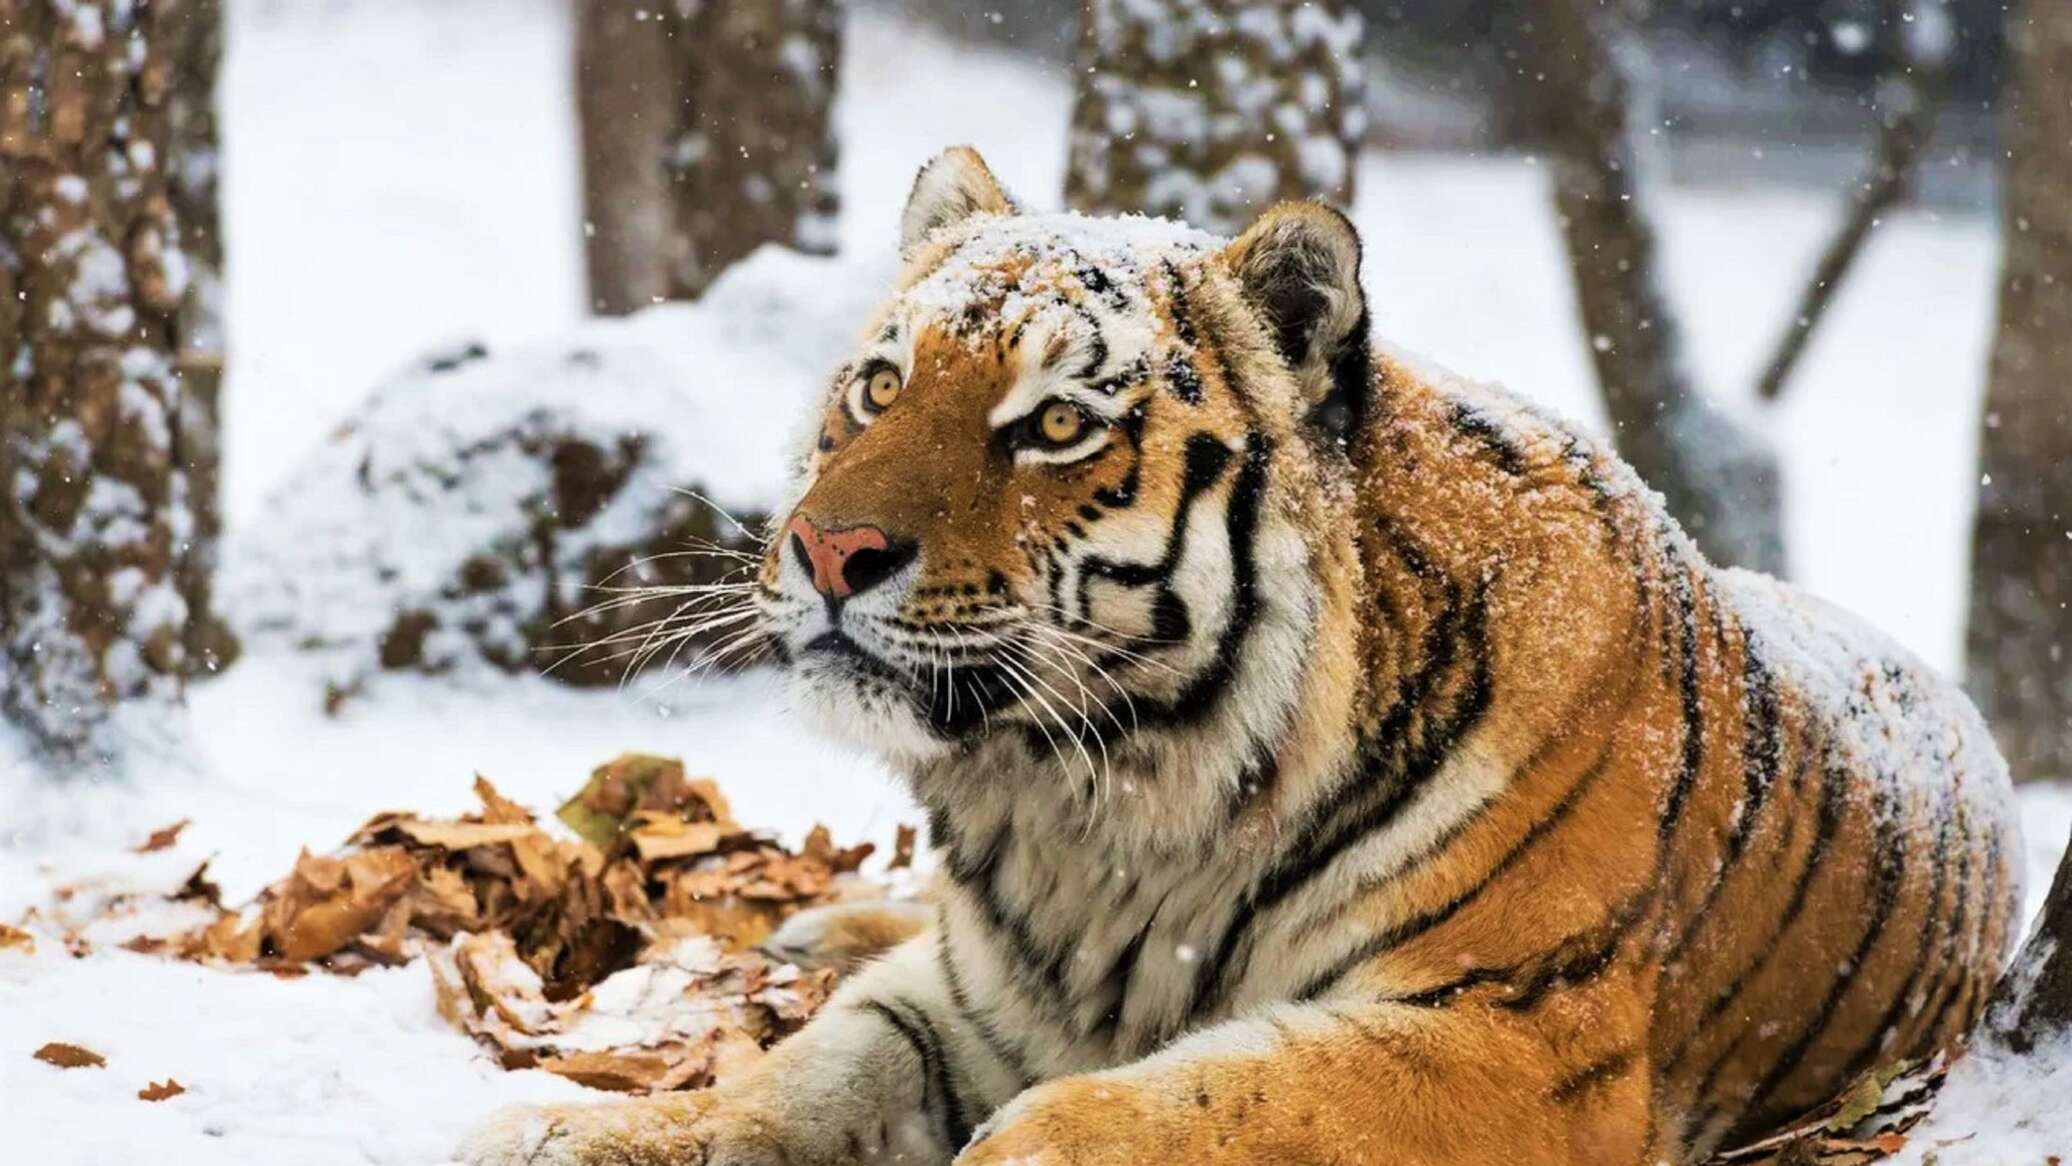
(1060, 423)
(883, 388)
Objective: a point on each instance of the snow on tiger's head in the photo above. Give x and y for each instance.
(1056, 491)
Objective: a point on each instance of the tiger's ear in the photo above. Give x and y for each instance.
(1299, 264)
(954, 186)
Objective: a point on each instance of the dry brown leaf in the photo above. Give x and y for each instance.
(199, 888)
(66, 1056)
(231, 938)
(463, 835)
(706, 790)
(498, 808)
(656, 839)
(160, 1090)
(633, 782)
(161, 838)
(618, 1072)
(329, 901)
(15, 937)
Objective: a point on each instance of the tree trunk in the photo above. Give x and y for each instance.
(2034, 1000)
(2021, 552)
(707, 131)
(626, 102)
(1720, 479)
(1212, 110)
(100, 515)
(192, 182)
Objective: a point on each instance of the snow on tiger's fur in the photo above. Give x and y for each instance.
(1329, 760)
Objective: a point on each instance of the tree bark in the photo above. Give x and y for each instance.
(2021, 554)
(99, 514)
(626, 102)
(1210, 111)
(1721, 480)
(193, 178)
(2034, 1000)
(707, 131)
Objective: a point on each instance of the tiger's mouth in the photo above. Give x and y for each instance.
(956, 701)
(841, 650)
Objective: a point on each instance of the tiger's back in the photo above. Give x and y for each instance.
(1782, 831)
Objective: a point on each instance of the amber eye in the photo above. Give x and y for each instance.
(882, 389)
(1061, 423)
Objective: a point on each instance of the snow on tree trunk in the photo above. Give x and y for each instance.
(707, 132)
(2019, 651)
(192, 181)
(2034, 1001)
(1212, 110)
(1721, 479)
(99, 515)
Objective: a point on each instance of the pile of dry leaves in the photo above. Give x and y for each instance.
(624, 958)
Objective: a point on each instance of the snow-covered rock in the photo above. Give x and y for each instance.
(492, 508)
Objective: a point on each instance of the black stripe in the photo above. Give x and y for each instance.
(937, 1092)
(1888, 870)
(1571, 1088)
(1439, 994)
(1875, 1043)
(1176, 304)
(1387, 771)
(976, 875)
(1762, 749)
(1693, 717)
(1039, 966)
(1124, 494)
(1833, 791)
(1589, 963)
(1484, 431)
(1952, 973)
(997, 1044)
(1546, 974)
(1967, 984)
(1130, 376)
(1184, 380)
(1206, 459)
(1409, 929)
(1093, 279)
(1117, 978)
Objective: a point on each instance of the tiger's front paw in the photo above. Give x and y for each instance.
(674, 1130)
(1082, 1121)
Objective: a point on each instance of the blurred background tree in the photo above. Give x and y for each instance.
(2021, 560)
(706, 132)
(108, 252)
(1210, 111)
(1719, 476)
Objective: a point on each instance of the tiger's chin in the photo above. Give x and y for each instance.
(864, 709)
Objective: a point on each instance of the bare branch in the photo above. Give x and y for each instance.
(1907, 106)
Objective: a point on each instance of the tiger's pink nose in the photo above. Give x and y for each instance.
(845, 561)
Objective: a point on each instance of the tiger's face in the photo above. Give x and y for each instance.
(1047, 497)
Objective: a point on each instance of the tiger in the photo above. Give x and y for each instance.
(1328, 758)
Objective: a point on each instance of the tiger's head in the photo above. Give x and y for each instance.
(1066, 497)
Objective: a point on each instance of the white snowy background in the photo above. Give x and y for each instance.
(402, 175)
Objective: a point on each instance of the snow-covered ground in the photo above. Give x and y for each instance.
(401, 174)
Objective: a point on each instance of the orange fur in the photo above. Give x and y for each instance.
(1511, 831)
